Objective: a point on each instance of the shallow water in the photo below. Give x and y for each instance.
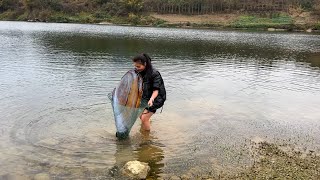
(224, 89)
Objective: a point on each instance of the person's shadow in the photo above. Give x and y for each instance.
(142, 147)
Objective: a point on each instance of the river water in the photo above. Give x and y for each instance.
(224, 90)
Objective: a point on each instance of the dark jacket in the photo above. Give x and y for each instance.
(155, 82)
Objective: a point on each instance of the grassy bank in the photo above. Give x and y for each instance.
(277, 21)
(83, 17)
(284, 21)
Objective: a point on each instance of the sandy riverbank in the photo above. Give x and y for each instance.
(270, 161)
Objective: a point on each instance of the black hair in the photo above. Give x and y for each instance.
(144, 59)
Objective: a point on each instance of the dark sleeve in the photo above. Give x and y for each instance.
(157, 81)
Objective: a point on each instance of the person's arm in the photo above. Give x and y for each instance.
(153, 96)
(157, 81)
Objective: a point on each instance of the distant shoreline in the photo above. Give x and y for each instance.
(304, 22)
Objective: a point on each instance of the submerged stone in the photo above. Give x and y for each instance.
(42, 176)
(271, 29)
(175, 178)
(136, 170)
(309, 30)
(14, 177)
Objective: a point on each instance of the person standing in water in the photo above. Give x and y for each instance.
(154, 91)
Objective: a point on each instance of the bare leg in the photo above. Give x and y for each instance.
(145, 120)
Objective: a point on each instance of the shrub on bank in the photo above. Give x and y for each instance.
(317, 26)
(276, 21)
(9, 15)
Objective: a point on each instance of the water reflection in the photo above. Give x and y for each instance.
(151, 152)
(197, 51)
(144, 148)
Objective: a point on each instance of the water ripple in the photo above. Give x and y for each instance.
(223, 88)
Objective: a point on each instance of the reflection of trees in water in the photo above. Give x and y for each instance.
(144, 150)
(197, 51)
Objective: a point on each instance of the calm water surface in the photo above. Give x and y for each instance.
(224, 88)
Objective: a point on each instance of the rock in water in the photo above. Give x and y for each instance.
(309, 30)
(271, 29)
(42, 176)
(136, 169)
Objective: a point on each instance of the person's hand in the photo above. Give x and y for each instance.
(150, 102)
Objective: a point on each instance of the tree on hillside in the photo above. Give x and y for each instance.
(133, 6)
(126, 7)
(316, 7)
(101, 2)
(31, 5)
(8, 4)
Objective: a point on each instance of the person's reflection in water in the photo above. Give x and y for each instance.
(124, 153)
(142, 148)
(150, 152)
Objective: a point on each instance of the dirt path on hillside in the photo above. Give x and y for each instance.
(197, 19)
